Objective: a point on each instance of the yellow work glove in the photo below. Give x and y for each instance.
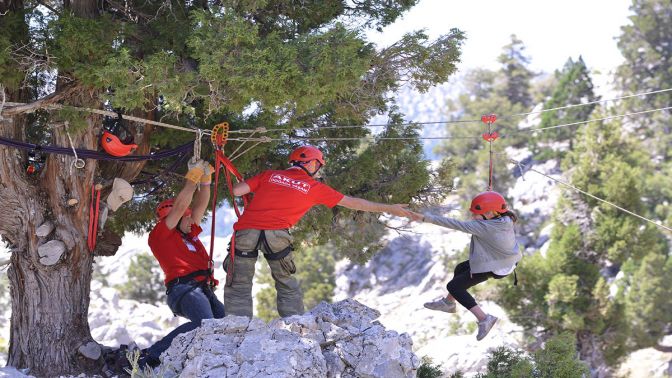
(208, 169)
(194, 175)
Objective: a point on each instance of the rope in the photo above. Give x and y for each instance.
(197, 144)
(267, 139)
(590, 120)
(77, 163)
(95, 155)
(113, 114)
(358, 126)
(595, 197)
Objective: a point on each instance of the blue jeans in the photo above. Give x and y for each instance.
(193, 303)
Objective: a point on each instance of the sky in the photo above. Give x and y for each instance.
(552, 30)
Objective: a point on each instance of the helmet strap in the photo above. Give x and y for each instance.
(301, 165)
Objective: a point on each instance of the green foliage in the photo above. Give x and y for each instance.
(81, 45)
(564, 291)
(428, 369)
(517, 76)
(145, 280)
(574, 86)
(647, 301)
(558, 359)
(508, 363)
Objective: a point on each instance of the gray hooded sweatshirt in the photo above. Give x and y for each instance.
(493, 241)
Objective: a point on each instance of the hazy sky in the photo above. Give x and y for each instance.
(552, 30)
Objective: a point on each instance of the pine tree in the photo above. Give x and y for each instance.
(574, 86)
(516, 86)
(291, 67)
(645, 45)
(145, 280)
(567, 289)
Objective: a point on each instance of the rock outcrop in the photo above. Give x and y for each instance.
(332, 340)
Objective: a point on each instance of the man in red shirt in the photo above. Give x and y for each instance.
(281, 198)
(183, 258)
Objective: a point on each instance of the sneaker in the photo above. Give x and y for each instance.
(485, 326)
(442, 304)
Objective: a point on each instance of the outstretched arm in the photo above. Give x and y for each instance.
(374, 207)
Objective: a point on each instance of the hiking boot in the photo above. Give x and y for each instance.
(442, 304)
(485, 326)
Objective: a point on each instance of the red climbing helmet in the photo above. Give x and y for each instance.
(114, 146)
(165, 206)
(305, 154)
(488, 201)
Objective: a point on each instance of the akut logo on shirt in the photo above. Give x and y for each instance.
(283, 180)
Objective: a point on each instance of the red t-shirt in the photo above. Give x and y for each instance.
(177, 255)
(281, 198)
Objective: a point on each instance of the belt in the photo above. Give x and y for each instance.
(189, 278)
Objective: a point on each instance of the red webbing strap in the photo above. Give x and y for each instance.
(221, 160)
(93, 218)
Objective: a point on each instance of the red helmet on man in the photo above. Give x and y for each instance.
(488, 201)
(306, 154)
(165, 206)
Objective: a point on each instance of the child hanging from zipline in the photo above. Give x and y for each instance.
(493, 253)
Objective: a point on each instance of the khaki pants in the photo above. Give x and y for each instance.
(238, 296)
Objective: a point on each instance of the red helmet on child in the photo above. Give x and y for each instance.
(488, 201)
(165, 206)
(305, 154)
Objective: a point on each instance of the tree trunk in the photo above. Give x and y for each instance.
(49, 302)
(591, 352)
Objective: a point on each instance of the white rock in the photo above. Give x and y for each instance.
(90, 350)
(294, 346)
(45, 229)
(51, 251)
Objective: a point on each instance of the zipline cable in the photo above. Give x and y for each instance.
(458, 121)
(207, 132)
(587, 103)
(588, 121)
(593, 196)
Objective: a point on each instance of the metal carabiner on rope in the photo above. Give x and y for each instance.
(219, 135)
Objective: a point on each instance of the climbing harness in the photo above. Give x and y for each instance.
(117, 140)
(489, 137)
(94, 210)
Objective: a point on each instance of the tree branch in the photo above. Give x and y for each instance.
(44, 4)
(663, 348)
(44, 102)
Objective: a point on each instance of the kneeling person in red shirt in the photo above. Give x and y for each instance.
(183, 258)
(281, 198)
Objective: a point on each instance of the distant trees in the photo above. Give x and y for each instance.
(144, 280)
